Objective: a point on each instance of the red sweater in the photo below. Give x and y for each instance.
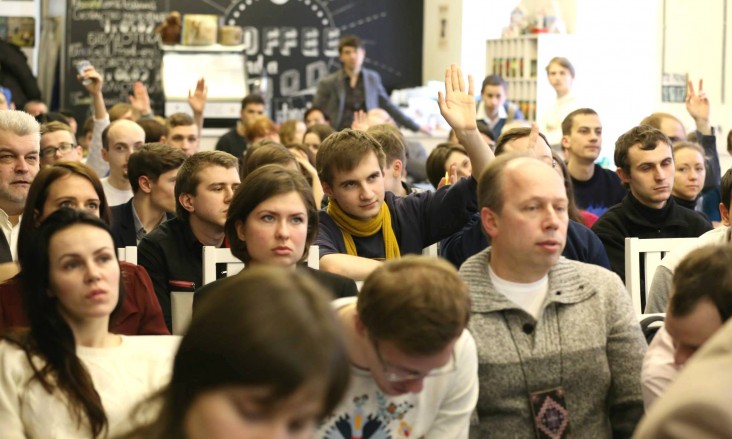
(140, 313)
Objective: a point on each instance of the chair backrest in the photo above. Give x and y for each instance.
(127, 254)
(431, 250)
(213, 256)
(646, 253)
(181, 310)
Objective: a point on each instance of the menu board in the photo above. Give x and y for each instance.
(118, 38)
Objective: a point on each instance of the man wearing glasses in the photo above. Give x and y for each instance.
(58, 143)
(414, 365)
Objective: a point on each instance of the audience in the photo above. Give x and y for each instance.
(596, 189)
(173, 252)
(559, 346)
(154, 130)
(181, 131)
(19, 164)
(261, 128)
(315, 116)
(645, 164)
(689, 176)
(72, 184)
(152, 172)
(273, 220)
(700, 304)
(272, 365)
(414, 377)
(35, 108)
(235, 142)
(395, 150)
(58, 143)
(68, 375)
(560, 73)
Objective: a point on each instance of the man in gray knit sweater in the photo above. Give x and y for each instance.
(559, 347)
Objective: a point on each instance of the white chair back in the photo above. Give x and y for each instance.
(649, 253)
(431, 250)
(181, 310)
(127, 254)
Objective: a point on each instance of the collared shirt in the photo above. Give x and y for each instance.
(482, 115)
(355, 100)
(11, 232)
(140, 231)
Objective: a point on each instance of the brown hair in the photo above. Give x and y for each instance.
(38, 193)
(293, 341)
(435, 165)
(726, 188)
(260, 185)
(704, 273)
(320, 129)
(120, 109)
(349, 41)
(288, 129)
(154, 130)
(418, 302)
(392, 142)
(188, 179)
(562, 62)
(513, 134)
(655, 119)
(177, 120)
(266, 152)
(260, 127)
(572, 211)
(52, 127)
(152, 160)
(645, 136)
(344, 150)
(569, 120)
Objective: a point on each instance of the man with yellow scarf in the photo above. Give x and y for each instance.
(365, 225)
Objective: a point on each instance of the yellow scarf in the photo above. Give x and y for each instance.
(351, 227)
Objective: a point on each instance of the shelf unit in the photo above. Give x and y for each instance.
(521, 61)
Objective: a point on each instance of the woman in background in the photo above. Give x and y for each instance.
(689, 175)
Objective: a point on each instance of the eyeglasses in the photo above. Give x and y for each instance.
(392, 374)
(51, 151)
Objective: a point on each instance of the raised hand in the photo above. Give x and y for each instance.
(458, 106)
(140, 99)
(96, 80)
(697, 104)
(197, 98)
(360, 121)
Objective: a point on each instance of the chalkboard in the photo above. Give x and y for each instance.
(294, 41)
(118, 38)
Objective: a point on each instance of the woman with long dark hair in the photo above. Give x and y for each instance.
(68, 375)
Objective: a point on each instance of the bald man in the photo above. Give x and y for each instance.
(119, 141)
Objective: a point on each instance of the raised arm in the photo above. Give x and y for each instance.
(140, 100)
(458, 108)
(697, 105)
(197, 101)
(101, 120)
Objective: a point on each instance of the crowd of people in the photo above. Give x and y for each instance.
(522, 327)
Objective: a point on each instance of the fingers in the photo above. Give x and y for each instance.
(453, 173)
(448, 80)
(701, 84)
(691, 89)
(471, 87)
(461, 80)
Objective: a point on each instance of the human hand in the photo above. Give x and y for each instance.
(458, 106)
(95, 80)
(197, 98)
(360, 121)
(140, 99)
(450, 177)
(697, 104)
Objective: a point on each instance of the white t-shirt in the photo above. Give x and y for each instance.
(441, 410)
(115, 196)
(529, 297)
(123, 376)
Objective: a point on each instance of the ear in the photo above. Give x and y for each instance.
(397, 168)
(625, 178)
(105, 154)
(186, 200)
(162, 139)
(79, 152)
(489, 220)
(358, 324)
(565, 142)
(724, 213)
(240, 230)
(326, 189)
(145, 184)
